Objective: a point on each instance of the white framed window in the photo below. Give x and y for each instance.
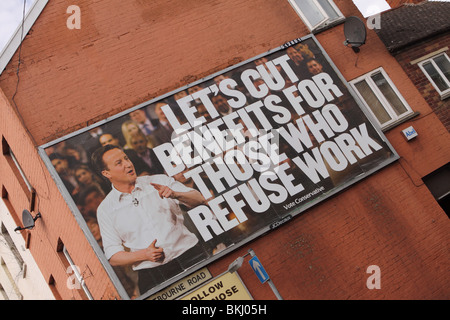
(22, 174)
(381, 97)
(317, 13)
(437, 70)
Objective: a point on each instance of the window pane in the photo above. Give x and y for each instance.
(443, 64)
(311, 11)
(373, 102)
(331, 12)
(22, 174)
(437, 79)
(389, 94)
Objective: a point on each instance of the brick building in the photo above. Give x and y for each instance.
(126, 54)
(418, 33)
(418, 38)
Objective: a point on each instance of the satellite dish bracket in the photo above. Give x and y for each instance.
(28, 220)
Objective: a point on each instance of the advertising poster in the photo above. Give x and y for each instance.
(172, 184)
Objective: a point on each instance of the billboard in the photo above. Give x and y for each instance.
(168, 186)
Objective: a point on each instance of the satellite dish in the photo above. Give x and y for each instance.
(28, 220)
(355, 33)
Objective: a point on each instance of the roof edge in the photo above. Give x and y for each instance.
(15, 41)
(396, 48)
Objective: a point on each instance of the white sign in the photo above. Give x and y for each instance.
(410, 133)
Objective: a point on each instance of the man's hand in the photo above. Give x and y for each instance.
(164, 191)
(190, 199)
(153, 253)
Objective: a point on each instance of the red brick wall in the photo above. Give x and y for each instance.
(405, 56)
(129, 52)
(57, 221)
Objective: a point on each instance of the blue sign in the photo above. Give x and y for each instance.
(259, 269)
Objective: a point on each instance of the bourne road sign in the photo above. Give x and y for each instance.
(259, 269)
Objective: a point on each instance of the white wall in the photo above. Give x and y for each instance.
(18, 281)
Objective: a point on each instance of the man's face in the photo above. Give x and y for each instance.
(261, 61)
(83, 176)
(95, 229)
(314, 67)
(221, 104)
(218, 79)
(138, 116)
(194, 89)
(139, 144)
(92, 201)
(60, 165)
(180, 94)
(119, 169)
(295, 55)
(108, 139)
(161, 115)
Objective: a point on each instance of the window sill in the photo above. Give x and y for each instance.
(400, 121)
(444, 95)
(329, 25)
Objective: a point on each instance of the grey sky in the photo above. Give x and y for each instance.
(371, 7)
(10, 18)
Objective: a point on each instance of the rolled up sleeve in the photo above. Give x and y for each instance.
(110, 239)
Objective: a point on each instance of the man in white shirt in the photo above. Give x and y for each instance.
(143, 214)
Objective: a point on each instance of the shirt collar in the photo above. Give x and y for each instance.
(118, 195)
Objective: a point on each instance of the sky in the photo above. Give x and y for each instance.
(11, 14)
(10, 18)
(370, 7)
